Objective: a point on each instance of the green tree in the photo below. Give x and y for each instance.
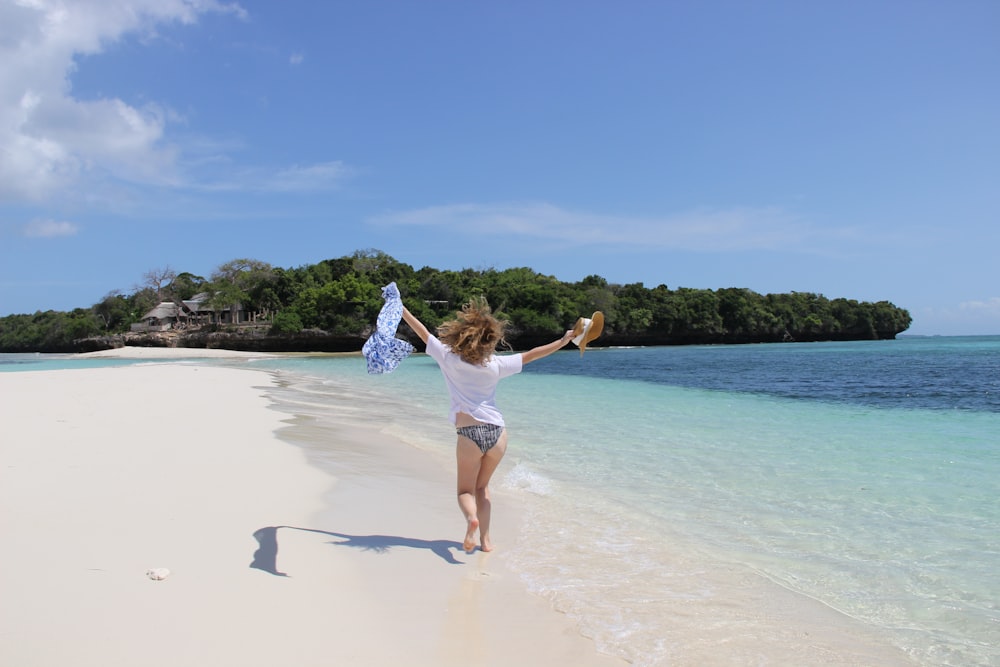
(114, 311)
(141, 302)
(286, 323)
(233, 283)
(343, 296)
(82, 323)
(699, 311)
(185, 285)
(379, 268)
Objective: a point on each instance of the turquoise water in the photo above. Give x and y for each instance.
(864, 476)
(12, 363)
(663, 486)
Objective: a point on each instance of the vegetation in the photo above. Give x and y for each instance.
(341, 298)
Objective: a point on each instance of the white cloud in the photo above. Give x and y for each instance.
(50, 139)
(49, 229)
(735, 229)
(296, 58)
(321, 176)
(989, 307)
(974, 317)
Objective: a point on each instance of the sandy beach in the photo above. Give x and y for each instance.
(273, 558)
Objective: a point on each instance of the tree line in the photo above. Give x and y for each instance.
(342, 298)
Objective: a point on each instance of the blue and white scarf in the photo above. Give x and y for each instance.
(383, 351)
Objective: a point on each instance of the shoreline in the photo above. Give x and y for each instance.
(133, 352)
(274, 556)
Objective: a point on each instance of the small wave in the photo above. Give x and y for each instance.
(522, 478)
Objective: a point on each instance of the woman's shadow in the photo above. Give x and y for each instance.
(266, 556)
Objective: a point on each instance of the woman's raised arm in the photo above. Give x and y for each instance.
(415, 324)
(545, 350)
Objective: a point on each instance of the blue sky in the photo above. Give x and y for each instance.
(848, 148)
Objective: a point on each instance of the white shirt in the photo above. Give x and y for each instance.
(473, 388)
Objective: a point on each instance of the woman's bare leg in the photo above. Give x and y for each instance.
(469, 463)
(489, 465)
(474, 472)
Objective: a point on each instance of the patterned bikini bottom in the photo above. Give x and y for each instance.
(484, 435)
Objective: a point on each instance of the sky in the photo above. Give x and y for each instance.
(849, 148)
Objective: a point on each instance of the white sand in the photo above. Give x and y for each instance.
(107, 473)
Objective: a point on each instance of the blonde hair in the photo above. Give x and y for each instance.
(475, 333)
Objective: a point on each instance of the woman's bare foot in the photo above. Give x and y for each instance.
(487, 543)
(470, 535)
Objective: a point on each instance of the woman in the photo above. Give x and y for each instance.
(465, 354)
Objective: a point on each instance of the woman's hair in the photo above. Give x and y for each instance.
(475, 333)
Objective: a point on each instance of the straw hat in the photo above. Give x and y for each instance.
(587, 330)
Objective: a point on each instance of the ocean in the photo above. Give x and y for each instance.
(672, 494)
